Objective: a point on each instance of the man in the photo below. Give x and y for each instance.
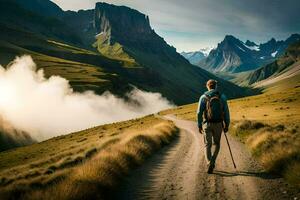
(213, 119)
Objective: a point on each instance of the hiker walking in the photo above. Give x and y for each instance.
(213, 119)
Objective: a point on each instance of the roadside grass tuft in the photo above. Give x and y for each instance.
(97, 171)
(243, 129)
(278, 150)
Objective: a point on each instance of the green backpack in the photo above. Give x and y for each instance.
(214, 108)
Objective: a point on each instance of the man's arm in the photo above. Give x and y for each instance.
(200, 110)
(226, 112)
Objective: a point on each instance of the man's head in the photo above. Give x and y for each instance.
(211, 84)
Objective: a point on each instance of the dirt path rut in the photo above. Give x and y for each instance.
(178, 171)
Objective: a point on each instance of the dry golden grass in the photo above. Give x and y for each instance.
(90, 173)
(268, 123)
(278, 152)
(279, 104)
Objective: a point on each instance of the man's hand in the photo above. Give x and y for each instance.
(200, 129)
(225, 129)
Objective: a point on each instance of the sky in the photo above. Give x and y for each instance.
(190, 25)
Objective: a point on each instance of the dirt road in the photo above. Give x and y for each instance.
(179, 172)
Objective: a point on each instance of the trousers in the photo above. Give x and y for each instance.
(212, 133)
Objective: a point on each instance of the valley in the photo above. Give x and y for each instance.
(54, 161)
(96, 104)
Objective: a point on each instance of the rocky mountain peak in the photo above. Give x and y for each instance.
(293, 38)
(250, 43)
(233, 55)
(121, 22)
(272, 41)
(230, 38)
(229, 42)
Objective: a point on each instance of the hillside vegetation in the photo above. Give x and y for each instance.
(81, 165)
(268, 124)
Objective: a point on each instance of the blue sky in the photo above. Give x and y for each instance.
(190, 25)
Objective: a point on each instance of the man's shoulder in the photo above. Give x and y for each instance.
(203, 96)
(223, 96)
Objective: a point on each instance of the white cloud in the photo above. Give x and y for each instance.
(48, 107)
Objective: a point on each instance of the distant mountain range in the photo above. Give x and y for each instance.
(232, 55)
(286, 66)
(193, 57)
(196, 56)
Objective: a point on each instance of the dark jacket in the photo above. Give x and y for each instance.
(202, 107)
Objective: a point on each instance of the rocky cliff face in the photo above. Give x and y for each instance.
(129, 28)
(82, 22)
(126, 34)
(229, 56)
(124, 25)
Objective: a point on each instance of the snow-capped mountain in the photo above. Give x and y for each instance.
(196, 56)
(234, 55)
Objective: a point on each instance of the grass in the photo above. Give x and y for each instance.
(114, 51)
(82, 75)
(150, 68)
(96, 158)
(279, 103)
(278, 150)
(268, 124)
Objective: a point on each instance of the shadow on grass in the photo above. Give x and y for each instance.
(263, 175)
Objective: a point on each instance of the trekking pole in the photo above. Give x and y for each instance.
(230, 151)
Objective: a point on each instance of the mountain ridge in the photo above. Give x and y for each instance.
(232, 55)
(138, 56)
(194, 57)
(285, 66)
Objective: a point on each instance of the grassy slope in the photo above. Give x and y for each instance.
(84, 69)
(114, 51)
(99, 155)
(268, 124)
(279, 103)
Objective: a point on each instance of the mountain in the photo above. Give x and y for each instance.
(232, 55)
(114, 46)
(194, 57)
(42, 7)
(286, 66)
(164, 70)
(17, 14)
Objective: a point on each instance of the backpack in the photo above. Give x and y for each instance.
(214, 108)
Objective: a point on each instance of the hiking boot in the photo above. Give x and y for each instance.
(211, 168)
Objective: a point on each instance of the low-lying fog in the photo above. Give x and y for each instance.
(48, 107)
